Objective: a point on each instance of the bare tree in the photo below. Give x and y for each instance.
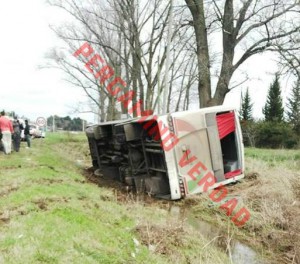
(130, 34)
(289, 57)
(78, 77)
(247, 26)
(83, 28)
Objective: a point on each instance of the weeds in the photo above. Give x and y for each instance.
(270, 191)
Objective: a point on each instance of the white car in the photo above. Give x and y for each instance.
(36, 131)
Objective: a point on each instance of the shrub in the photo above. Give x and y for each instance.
(275, 135)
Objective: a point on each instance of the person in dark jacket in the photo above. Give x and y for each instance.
(17, 127)
(27, 133)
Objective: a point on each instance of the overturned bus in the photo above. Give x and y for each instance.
(171, 156)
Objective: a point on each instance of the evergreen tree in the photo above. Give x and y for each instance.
(293, 112)
(246, 107)
(273, 109)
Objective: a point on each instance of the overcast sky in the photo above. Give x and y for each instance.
(32, 92)
(25, 39)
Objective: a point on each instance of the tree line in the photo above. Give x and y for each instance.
(280, 126)
(65, 123)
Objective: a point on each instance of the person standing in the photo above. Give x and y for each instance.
(17, 134)
(6, 130)
(27, 133)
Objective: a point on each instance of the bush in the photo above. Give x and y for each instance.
(269, 134)
(275, 135)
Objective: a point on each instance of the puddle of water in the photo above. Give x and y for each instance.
(239, 252)
(243, 254)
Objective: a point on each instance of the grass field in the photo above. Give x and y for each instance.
(50, 213)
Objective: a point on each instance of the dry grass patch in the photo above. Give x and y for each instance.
(161, 239)
(273, 197)
(271, 192)
(178, 243)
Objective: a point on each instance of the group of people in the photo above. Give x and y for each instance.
(10, 132)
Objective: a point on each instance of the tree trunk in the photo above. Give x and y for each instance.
(228, 54)
(204, 86)
(102, 105)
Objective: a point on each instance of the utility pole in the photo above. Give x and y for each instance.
(167, 77)
(53, 123)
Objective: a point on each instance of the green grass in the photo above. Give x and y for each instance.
(279, 159)
(49, 213)
(66, 137)
(271, 155)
